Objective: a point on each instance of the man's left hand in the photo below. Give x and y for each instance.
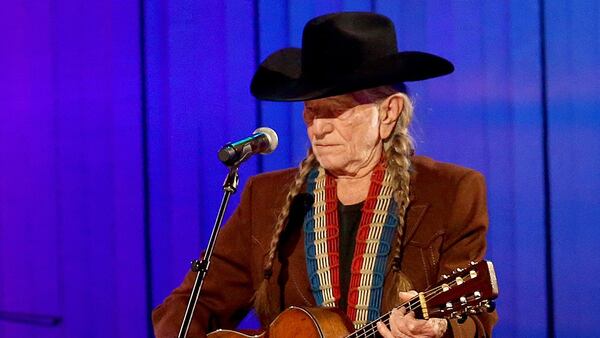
(404, 324)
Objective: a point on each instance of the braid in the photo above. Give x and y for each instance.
(262, 301)
(399, 150)
(305, 166)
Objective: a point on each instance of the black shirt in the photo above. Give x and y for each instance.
(349, 220)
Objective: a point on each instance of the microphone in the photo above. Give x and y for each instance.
(263, 141)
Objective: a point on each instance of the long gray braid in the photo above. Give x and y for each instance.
(262, 301)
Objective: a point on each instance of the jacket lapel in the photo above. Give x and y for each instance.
(413, 220)
(299, 275)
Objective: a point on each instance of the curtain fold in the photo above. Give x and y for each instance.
(70, 178)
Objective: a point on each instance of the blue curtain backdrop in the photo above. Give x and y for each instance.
(111, 114)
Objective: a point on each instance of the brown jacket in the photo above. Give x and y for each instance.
(446, 226)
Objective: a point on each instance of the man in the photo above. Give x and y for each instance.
(363, 222)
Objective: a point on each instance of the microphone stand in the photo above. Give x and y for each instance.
(201, 266)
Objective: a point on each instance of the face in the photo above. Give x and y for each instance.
(344, 134)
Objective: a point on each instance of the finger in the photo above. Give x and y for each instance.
(399, 325)
(415, 325)
(408, 295)
(408, 324)
(419, 327)
(384, 331)
(401, 310)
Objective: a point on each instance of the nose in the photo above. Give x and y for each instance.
(322, 127)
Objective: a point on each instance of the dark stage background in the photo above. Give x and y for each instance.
(111, 113)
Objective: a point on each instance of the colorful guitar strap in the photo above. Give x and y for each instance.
(373, 244)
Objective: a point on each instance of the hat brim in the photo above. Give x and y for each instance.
(280, 78)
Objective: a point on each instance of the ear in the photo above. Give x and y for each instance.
(390, 111)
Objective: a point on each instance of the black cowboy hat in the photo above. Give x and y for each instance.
(342, 53)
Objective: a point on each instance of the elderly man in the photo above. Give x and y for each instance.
(363, 222)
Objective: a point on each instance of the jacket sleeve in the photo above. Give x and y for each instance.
(227, 291)
(466, 242)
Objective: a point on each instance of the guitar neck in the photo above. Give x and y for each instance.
(370, 329)
(466, 291)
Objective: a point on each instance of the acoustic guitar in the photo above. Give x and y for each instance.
(464, 292)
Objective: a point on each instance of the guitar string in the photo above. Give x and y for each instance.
(411, 304)
(372, 328)
(429, 294)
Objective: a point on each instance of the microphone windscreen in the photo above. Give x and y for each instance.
(271, 135)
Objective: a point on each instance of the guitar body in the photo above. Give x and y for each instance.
(301, 322)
